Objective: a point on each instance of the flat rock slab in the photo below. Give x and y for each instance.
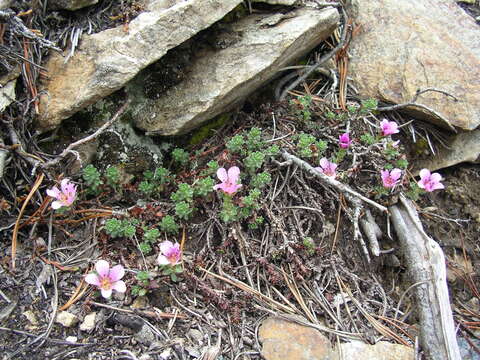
(218, 80)
(382, 350)
(463, 147)
(286, 340)
(106, 61)
(403, 46)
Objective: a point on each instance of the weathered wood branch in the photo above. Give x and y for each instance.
(426, 265)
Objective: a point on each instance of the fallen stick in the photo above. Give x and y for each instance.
(346, 190)
(426, 265)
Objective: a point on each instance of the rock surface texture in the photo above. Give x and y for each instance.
(286, 340)
(463, 147)
(403, 46)
(382, 350)
(70, 4)
(220, 79)
(105, 61)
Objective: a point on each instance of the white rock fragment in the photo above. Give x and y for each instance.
(88, 323)
(7, 94)
(71, 339)
(66, 319)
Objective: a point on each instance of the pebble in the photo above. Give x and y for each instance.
(88, 323)
(66, 319)
(145, 335)
(31, 317)
(71, 339)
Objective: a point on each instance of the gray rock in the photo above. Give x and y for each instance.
(145, 335)
(106, 61)
(70, 4)
(463, 147)
(5, 4)
(220, 79)
(403, 46)
(7, 94)
(278, 2)
(382, 350)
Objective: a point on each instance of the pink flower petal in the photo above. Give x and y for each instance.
(116, 273)
(119, 286)
(222, 174)
(396, 173)
(424, 173)
(56, 205)
(162, 260)
(106, 293)
(102, 268)
(435, 177)
(92, 279)
(64, 184)
(166, 246)
(233, 174)
(324, 162)
(53, 192)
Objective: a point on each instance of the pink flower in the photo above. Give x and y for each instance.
(65, 196)
(344, 140)
(327, 167)
(430, 182)
(395, 144)
(388, 127)
(170, 253)
(107, 279)
(229, 180)
(391, 178)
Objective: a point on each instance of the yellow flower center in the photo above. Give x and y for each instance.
(105, 284)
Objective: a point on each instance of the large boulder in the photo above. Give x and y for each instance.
(403, 46)
(221, 78)
(106, 61)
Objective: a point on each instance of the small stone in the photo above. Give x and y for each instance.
(7, 310)
(382, 350)
(7, 95)
(145, 335)
(66, 319)
(474, 304)
(31, 317)
(196, 335)
(286, 340)
(88, 323)
(71, 339)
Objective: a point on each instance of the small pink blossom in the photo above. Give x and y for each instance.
(327, 167)
(388, 127)
(229, 180)
(344, 141)
(430, 182)
(65, 196)
(391, 178)
(395, 144)
(107, 279)
(170, 253)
